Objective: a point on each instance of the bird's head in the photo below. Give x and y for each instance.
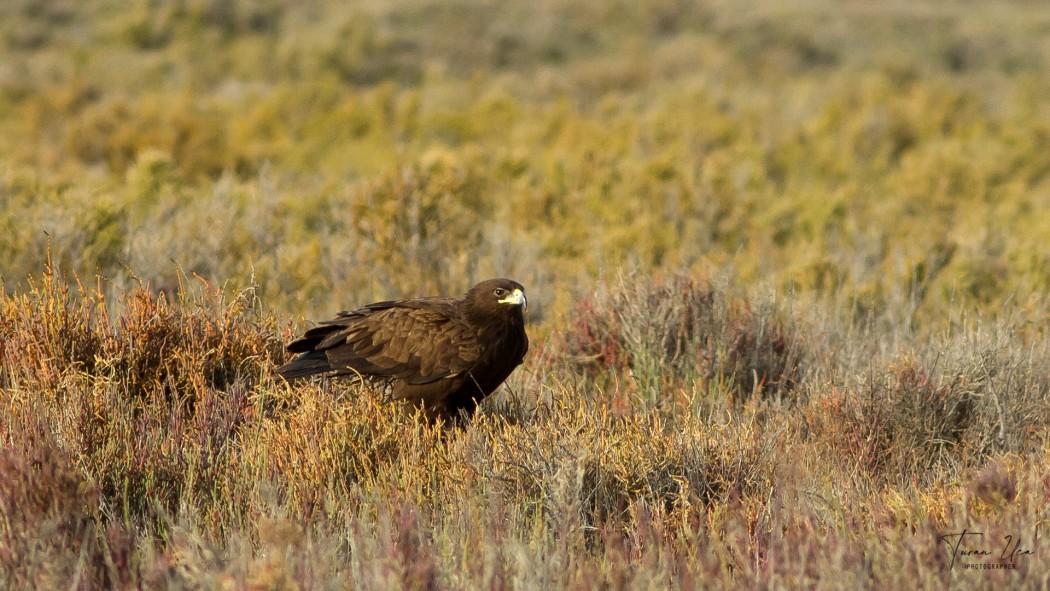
(498, 296)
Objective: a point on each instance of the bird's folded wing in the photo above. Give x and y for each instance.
(417, 345)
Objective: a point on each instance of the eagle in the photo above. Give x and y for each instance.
(444, 354)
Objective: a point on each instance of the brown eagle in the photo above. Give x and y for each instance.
(444, 354)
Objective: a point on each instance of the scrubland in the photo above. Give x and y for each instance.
(786, 264)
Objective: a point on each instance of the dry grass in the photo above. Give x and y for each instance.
(663, 333)
(192, 467)
(831, 350)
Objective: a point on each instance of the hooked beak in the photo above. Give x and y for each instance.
(516, 297)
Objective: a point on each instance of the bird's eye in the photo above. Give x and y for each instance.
(499, 292)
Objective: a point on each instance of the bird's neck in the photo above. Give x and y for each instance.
(502, 326)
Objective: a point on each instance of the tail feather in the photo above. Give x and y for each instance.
(305, 365)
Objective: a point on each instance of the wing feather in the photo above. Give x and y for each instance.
(416, 344)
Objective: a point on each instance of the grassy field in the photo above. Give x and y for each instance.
(787, 266)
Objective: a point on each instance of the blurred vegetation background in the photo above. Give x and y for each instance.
(892, 155)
